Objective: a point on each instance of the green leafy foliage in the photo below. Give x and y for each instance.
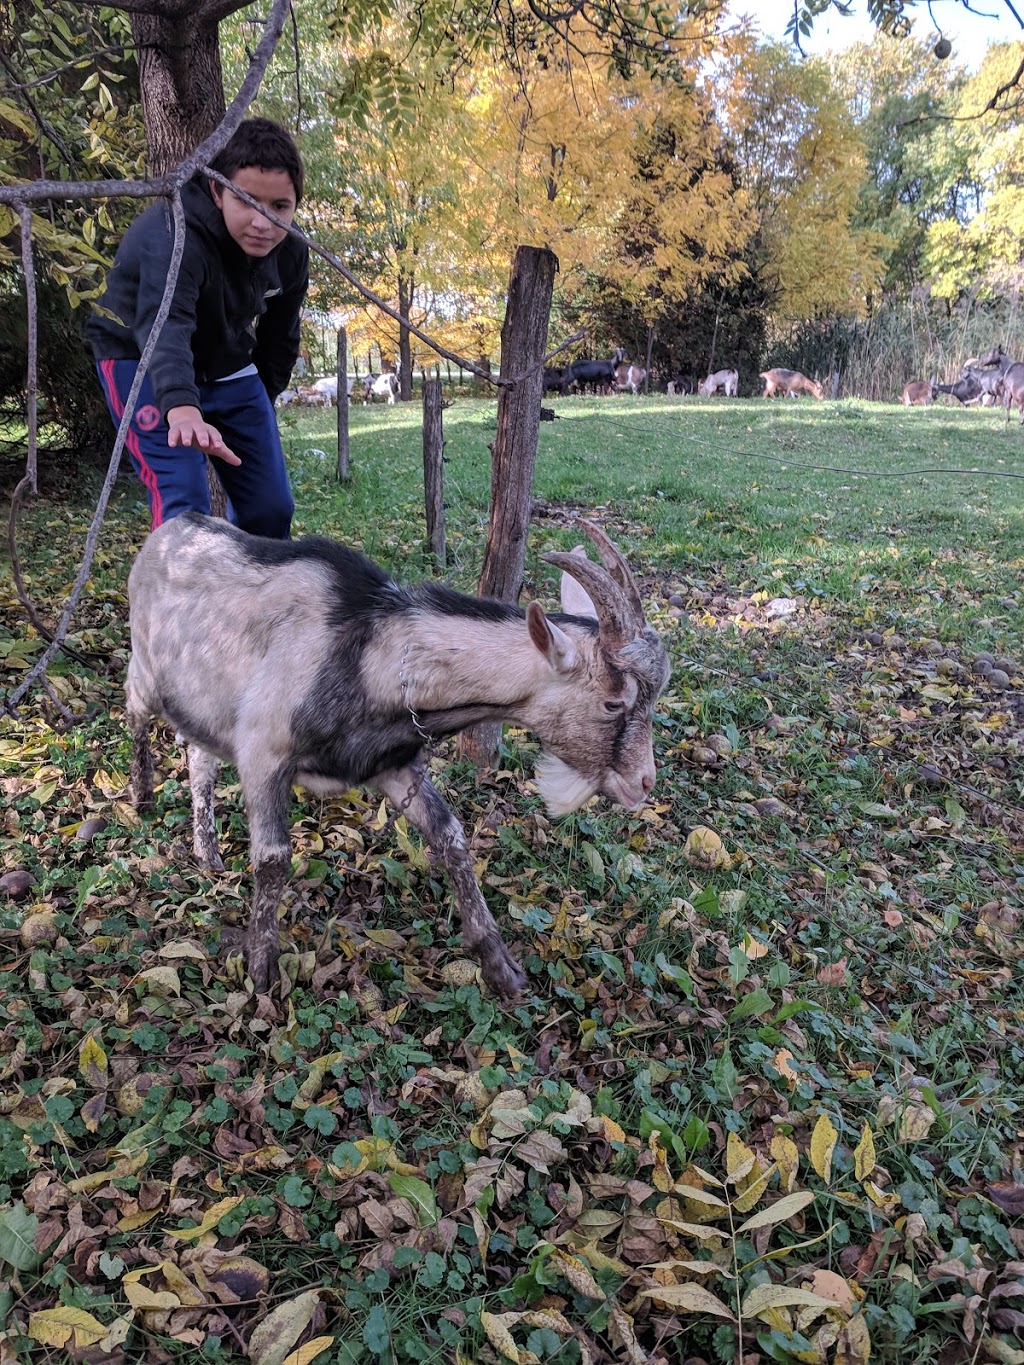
(767, 1098)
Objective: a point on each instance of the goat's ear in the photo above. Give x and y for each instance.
(576, 601)
(554, 644)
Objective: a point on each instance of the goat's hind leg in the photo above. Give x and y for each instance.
(202, 773)
(267, 793)
(480, 935)
(139, 715)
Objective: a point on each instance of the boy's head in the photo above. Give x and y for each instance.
(261, 159)
(262, 143)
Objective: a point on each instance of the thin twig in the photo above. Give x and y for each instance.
(43, 662)
(32, 380)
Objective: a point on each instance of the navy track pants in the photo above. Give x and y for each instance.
(258, 489)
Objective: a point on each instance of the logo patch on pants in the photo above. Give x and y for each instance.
(147, 418)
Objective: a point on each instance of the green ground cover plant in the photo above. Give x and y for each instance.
(762, 1098)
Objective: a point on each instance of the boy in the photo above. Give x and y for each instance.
(229, 343)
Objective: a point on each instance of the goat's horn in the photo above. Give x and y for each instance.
(613, 561)
(614, 613)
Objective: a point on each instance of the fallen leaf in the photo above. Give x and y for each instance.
(273, 1338)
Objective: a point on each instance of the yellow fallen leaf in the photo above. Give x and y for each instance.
(864, 1161)
(92, 1063)
(143, 1298)
(915, 1122)
(688, 1298)
(882, 1199)
(308, 1353)
(823, 1144)
(499, 1336)
(854, 1344)
(786, 1156)
(62, 1326)
(211, 1218)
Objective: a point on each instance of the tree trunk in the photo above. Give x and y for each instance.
(182, 87)
(344, 472)
(433, 469)
(514, 452)
(647, 359)
(182, 84)
(405, 293)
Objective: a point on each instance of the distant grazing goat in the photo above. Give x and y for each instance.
(679, 385)
(380, 386)
(302, 662)
(596, 374)
(790, 383)
(553, 379)
(629, 377)
(726, 380)
(920, 392)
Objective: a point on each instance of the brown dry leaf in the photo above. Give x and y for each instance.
(832, 1286)
(834, 974)
(915, 1122)
(1007, 1196)
(688, 1298)
(781, 1061)
(275, 1336)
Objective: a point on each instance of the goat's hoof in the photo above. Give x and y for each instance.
(208, 858)
(501, 973)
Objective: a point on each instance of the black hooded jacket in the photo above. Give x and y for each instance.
(229, 309)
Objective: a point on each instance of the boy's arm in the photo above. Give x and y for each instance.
(277, 332)
(172, 368)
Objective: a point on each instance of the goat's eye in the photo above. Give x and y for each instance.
(614, 708)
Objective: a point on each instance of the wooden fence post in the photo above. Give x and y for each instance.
(344, 472)
(433, 469)
(524, 336)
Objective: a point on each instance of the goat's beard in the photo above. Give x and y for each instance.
(562, 788)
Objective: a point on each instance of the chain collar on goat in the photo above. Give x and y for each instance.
(303, 662)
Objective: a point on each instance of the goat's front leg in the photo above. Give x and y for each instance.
(202, 773)
(480, 936)
(267, 793)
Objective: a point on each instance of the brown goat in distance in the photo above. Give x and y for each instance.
(790, 383)
(919, 392)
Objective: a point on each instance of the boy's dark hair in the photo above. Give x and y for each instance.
(263, 143)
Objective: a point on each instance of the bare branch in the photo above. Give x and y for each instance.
(206, 151)
(39, 668)
(44, 125)
(32, 384)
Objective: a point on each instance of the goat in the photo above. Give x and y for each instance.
(790, 383)
(553, 379)
(726, 380)
(967, 388)
(286, 398)
(380, 386)
(598, 373)
(920, 392)
(302, 662)
(679, 385)
(1011, 375)
(328, 389)
(629, 377)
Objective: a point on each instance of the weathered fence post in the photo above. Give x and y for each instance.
(344, 473)
(524, 335)
(433, 469)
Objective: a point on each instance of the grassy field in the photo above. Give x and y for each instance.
(762, 1100)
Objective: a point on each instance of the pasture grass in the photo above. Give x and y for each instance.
(814, 1014)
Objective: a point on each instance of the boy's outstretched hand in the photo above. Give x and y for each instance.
(187, 427)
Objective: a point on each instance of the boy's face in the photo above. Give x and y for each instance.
(256, 235)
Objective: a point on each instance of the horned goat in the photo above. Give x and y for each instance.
(303, 662)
